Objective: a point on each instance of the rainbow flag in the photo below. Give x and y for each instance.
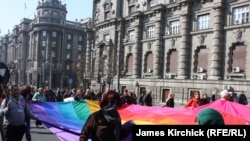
(66, 119)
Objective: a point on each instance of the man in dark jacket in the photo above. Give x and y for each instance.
(242, 99)
(105, 124)
(147, 99)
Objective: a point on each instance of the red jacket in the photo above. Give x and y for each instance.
(192, 103)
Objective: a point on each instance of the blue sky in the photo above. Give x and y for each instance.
(13, 11)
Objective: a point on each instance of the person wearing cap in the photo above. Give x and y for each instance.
(209, 116)
(105, 124)
(224, 95)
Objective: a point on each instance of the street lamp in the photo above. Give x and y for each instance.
(50, 72)
(12, 68)
(109, 79)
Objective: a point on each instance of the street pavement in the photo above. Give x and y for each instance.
(40, 134)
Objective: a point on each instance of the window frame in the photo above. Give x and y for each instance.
(244, 9)
(131, 35)
(203, 21)
(174, 27)
(68, 46)
(150, 31)
(54, 34)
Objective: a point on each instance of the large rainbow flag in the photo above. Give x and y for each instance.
(66, 119)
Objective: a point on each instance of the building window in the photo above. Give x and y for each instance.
(55, 13)
(53, 34)
(241, 15)
(201, 59)
(80, 38)
(79, 47)
(151, 32)
(132, 9)
(150, 64)
(174, 27)
(238, 55)
(43, 54)
(44, 33)
(172, 1)
(152, 3)
(45, 13)
(203, 22)
(107, 15)
(130, 63)
(106, 37)
(69, 36)
(79, 56)
(172, 63)
(68, 56)
(68, 46)
(131, 36)
(98, 6)
(67, 67)
(132, 1)
(53, 44)
(53, 54)
(43, 43)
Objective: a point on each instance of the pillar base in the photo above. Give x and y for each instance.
(214, 78)
(181, 77)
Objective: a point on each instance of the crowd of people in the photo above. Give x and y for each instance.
(196, 100)
(14, 103)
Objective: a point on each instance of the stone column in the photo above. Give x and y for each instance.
(215, 51)
(136, 55)
(97, 61)
(88, 54)
(158, 50)
(183, 62)
(37, 48)
(118, 61)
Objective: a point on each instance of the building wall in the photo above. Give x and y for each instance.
(221, 34)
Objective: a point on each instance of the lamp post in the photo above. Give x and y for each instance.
(50, 72)
(109, 79)
(12, 68)
(84, 81)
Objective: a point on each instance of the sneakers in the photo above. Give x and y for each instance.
(39, 126)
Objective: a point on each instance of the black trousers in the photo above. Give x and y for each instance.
(14, 133)
(38, 122)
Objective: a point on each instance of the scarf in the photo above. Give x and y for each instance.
(112, 116)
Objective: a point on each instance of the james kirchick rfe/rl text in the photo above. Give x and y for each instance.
(171, 132)
(234, 132)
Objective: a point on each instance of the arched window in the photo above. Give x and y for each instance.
(130, 63)
(239, 57)
(172, 61)
(150, 63)
(202, 58)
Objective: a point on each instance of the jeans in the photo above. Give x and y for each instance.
(27, 131)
